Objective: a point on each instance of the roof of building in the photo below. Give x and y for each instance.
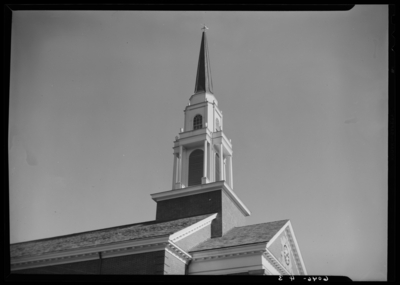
(203, 78)
(243, 235)
(104, 236)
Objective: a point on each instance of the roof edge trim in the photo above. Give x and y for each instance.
(297, 249)
(223, 252)
(192, 228)
(199, 189)
(108, 250)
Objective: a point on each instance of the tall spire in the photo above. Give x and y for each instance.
(203, 78)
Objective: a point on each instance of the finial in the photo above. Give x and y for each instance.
(204, 28)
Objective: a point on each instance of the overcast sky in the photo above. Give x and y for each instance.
(97, 98)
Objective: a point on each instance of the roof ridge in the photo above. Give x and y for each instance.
(236, 246)
(104, 229)
(264, 223)
(244, 235)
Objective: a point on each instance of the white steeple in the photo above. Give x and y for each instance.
(202, 152)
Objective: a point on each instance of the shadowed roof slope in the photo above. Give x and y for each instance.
(243, 235)
(103, 236)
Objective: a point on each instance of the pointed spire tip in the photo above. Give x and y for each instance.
(203, 78)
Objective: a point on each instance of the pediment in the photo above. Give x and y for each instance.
(284, 249)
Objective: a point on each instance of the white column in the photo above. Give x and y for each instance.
(212, 166)
(205, 161)
(221, 162)
(174, 172)
(225, 172)
(230, 172)
(205, 154)
(213, 130)
(180, 165)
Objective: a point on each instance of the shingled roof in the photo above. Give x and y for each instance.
(103, 236)
(243, 235)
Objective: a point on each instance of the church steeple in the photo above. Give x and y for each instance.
(202, 152)
(202, 176)
(203, 78)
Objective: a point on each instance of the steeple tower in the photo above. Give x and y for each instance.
(203, 152)
(202, 177)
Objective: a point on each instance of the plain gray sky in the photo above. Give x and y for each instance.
(97, 98)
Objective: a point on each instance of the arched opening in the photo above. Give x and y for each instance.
(197, 122)
(196, 167)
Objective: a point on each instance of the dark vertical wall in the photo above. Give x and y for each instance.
(194, 205)
(229, 215)
(83, 267)
(151, 263)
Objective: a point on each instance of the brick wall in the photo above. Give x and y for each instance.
(143, 263)
(83, 267)
(199, 204)
(231, 215)
(194, 205)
